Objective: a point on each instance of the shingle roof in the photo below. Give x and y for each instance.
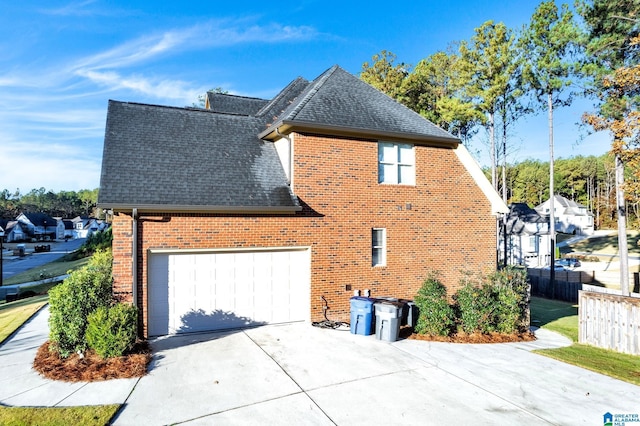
(231, 104)
(40, 219)
(158, 156)
(520, 214)
(170, 158)
(337, 100)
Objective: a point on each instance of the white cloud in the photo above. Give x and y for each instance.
(166, 89)
(56, 167)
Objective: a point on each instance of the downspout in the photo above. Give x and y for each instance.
(134, 231)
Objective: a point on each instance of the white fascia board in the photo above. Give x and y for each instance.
(497, 205)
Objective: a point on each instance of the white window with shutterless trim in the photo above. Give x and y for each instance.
(396, 164)
(378, 247)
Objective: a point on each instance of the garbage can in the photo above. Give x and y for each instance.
(388, 317)
(361, 315)
(409, 313)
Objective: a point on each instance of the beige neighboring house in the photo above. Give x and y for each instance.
(571, 217)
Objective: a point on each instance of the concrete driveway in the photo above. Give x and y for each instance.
(299, 374)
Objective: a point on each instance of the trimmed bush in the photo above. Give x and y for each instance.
(111, 331)
(71, 302)
(475, 306)
(498, 303)
(513, 298)
(436, 317)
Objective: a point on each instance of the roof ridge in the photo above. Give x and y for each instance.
(311, 91)
(186, 108)
(279, 96)
(237, 96)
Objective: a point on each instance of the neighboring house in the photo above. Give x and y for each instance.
(261, 211)
(38, 226)
(571, 217)
(527, 236)
(85, 226)
(60, 229)
(69, 227)
(13, 231)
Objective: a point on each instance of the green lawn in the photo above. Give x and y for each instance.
(606, 244)
(14, 314)
(52, 269)
(562, 317)
(98, 415)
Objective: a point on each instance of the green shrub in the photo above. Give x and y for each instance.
(513, 296)
(498, 302)
(97, 241)
(475, 306)
(71, 302)
(111, 331)
(436, 317)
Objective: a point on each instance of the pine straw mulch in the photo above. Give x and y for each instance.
(462, 337)
(91, 367)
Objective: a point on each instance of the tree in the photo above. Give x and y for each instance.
(549, 43)
(384, 75)
(611, 39)
(203, 98)
(487, 65)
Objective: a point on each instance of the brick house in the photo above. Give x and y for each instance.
(255, 211)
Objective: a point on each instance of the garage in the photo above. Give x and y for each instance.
(218, 290)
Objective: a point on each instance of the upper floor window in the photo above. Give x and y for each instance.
(396, 163)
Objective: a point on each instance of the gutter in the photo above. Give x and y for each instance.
(288, 126)
(169, 208)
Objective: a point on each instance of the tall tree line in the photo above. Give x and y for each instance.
(588, 180)
(65, 204)
(502, 74)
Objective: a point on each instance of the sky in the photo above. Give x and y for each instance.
(61, 61)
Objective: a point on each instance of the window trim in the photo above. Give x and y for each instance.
(380, 248)
(397, 163)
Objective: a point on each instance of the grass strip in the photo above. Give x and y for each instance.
(52, 269)
(562, 318)
(14, 314)
(54, 416)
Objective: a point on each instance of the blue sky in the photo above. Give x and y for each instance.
(61, 61)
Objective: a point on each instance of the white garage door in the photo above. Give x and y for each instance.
(191, 292)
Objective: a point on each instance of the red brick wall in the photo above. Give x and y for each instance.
(443, 224)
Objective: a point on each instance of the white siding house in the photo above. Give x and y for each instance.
(571, 217)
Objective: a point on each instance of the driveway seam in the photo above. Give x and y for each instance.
(512, 403)
(215, 413)
(292, 379)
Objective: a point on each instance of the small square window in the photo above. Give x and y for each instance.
(378, 247)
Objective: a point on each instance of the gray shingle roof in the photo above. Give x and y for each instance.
(339, 100)
(182, 159)
(163, 156)
(231, 104)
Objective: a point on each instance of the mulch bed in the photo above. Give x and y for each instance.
(91, 367)
(473, 337)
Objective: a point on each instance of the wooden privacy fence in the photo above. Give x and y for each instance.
(609, 321)
(568, 283)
